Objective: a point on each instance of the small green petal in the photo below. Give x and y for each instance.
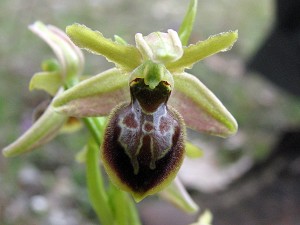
(125, 56)
(95, 96)
(192, 151)
(194, 53)
(42, 131)
(177, 195)
(200, 108)
(186, 27)
(47, 81)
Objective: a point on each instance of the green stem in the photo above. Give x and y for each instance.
(95, 128)
(124, 209)
(96, 190)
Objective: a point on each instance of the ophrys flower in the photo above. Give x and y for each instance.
(150, 99)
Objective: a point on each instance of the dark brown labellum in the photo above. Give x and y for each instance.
(143, 145)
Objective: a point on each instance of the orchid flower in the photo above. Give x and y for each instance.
(54, 79)
(137, 111)
(150, 100)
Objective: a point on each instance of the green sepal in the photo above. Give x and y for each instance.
(194, 53)
(200, 108)
(193, 151)
(177, 195)
(96, 96)
(47, 81)
(186, 27)
(127, 57)
(42, 131)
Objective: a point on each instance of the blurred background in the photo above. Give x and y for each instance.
(251, 178)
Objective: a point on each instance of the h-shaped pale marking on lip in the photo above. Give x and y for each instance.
(135, 124)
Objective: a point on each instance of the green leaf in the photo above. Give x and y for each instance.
(133, 213)
(126, 57)
(42, 131)
(186, 27)
(123, 207)
(118, 204)
(47, 81)
(192, 151)
(96, 96)
(177, 195)
(194, 53)
(200, 108)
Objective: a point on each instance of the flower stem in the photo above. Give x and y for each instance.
(111, 209)
(96, 190)
(94, 126)
(107, 213)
